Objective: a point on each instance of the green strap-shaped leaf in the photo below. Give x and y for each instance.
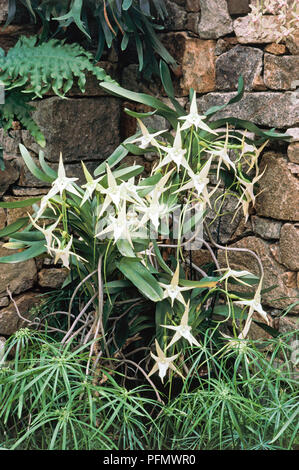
(32, 166)
(119, 154)
(137, 97)
(166, 79)
(241, 123)
(162, 334)
(29, 237)
(34, 250)
(235, 99)
(47, 169)
(12, 228)
(18, 204)
(139, 275)
(114, 287)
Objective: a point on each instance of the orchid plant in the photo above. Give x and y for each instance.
(286, 13)
(123, 234)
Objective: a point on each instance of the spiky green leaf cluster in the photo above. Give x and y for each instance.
(122, 22)
(38, 68)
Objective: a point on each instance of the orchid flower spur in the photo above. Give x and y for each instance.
(159, 187)
(64, 253)
(172, 290)
(194, 119)
(146, 139)
(175, 154)
(163, 363)
(183, 330)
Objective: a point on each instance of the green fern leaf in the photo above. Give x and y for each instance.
(16, 107)
(53, 64)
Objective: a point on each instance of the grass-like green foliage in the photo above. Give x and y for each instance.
(247, 399)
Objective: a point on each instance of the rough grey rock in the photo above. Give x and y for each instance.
(2, 218)
(281, 73)
(131, 80)
(269, 109)
(215, 20)
(294, 133)
(241, 60)
(279, 188)
(226, 224)
(18, 277)
(3, 10)
(52, 278)
(79, 128)
(289, 246)
(177, 17)
(293, 152)
(8, 176)
(238, 7)
(266, 228)
(4, 301)
(292, 42)
(10, 142)
(9, 319)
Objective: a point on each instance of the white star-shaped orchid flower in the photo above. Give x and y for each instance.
(159, 187)
(47, 232)
(163, 363)
(90, 186)
(146, 139)
(235, 275)
(114, 193)
(248, 186)
(194, 119)
(183, 330)
(64, 253)
(154, 212)
(175, 154)
(252, 152)
(172, 290)
(248, 195)
(222, 152)
(254, 306)
(120, 226)
(199, 182)
(62, 183)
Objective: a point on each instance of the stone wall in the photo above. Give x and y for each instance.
(213, 45)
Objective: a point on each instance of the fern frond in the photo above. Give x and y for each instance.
(50, 65)
(16, 107)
